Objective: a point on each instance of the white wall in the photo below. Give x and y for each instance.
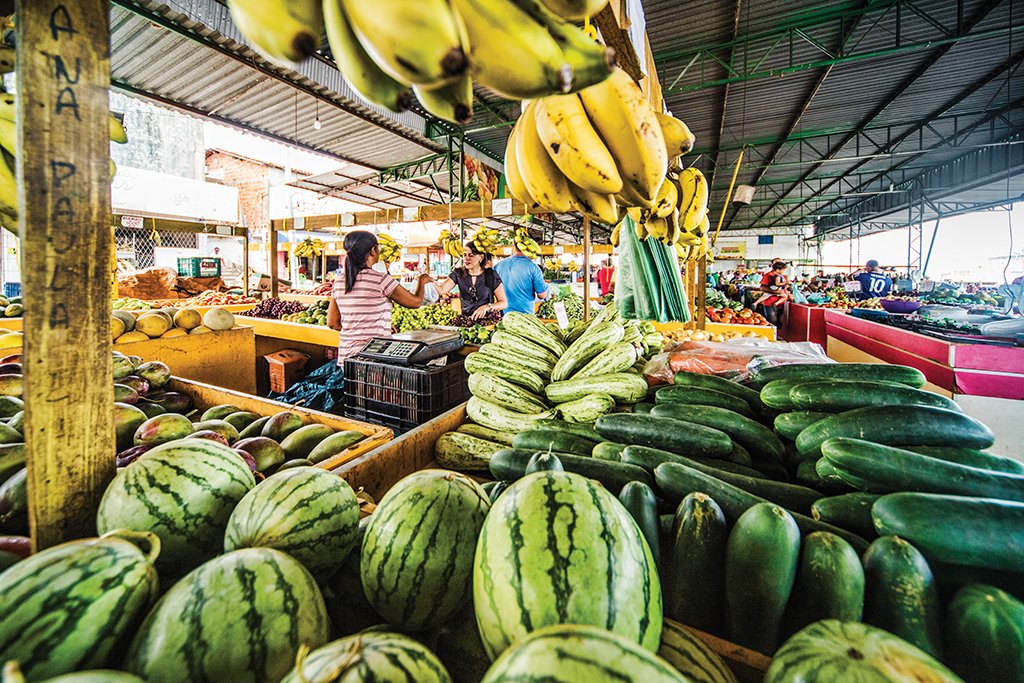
(786, 247)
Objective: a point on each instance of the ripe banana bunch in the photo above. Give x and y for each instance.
(485, 240)
(451, 244)
(524, 243)
(310, 248)
(390, 250)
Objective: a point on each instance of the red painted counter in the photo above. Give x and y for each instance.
(805, 323)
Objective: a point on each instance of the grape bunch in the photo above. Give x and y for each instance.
(409, 319)
(491, 318)
(275, 308)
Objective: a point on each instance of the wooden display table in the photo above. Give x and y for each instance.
(224, 359)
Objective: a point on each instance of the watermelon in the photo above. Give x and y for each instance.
(68, 607)
(417, 554)
(985, 634)
(558, 548)
(183, 492)
(374, 656)
(12, 674)
(306, 512)
(460, 649)
(691, 656)
(578, 653)
(347, 606)
(831, 650)
(241, 617)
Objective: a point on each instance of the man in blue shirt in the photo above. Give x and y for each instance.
(873, 282)
(524, 282)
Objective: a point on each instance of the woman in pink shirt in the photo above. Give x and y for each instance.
(360, 307)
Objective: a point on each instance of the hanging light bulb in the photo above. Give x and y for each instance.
(316, 124)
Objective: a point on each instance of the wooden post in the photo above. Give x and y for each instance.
(63, 69)
(586, 268)
(272, 247)
(245, 263)
(702, 293)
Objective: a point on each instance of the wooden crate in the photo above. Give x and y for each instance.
(378, 470)
(224, 359)
(206, 396)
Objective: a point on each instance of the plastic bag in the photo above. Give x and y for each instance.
(323, 389)
(798, 296)
(736, 359)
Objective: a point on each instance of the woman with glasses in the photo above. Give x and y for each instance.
(480, 288)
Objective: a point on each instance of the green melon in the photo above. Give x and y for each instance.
(417, 553)
(985, 634)
(558, 548)
(69, 607)
(241, 617)
(183, 492)
(369, 657)
(306, 512)
(691, 656)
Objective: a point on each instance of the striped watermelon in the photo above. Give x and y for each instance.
(241, 617)
(831, 650)
(68, 607)
(417, 554)
(985, 634)
(306, 512)
(576, 653)
(557, 548)
(346, 602)
(691, 656)
(95, 676)
(368, 657)
(182, 491)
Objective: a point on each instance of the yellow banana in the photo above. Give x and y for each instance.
(7, 109)
(6, 59)
(683, 252)
(596, 206)
(576, 10)
(691, 222)
(674, 228)
(704, 227)
(641, 230)
(657, 228)
(543, 180)
(451, 102)
(614, 239)
(668, 197)
(574, 145)
(693, 202)
(512, 174)
(626, 122)
(589, 61)
(9, 136)
(8, 186)
(363, 74)
(284, 31)
(116, 130)
(678, 138)
(415, 42)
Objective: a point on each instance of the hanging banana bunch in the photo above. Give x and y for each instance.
(310, 248)
(524, 243)
(390, 250)
(485, 240)
(451, 244)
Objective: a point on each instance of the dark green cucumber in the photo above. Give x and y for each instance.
(760, 441)
(976, 532)
(551, 440)
(985, 634)
(583, 431)
(872, 372)
(760, 567)
(771, 470)
(694, 396)
(851, 511)
(889, 470)
(544, 462)
(952, 577)
(715, 383)
(829, 583)
(775, 394)
(790, 496)
(650, 458)
(495, 491)
(789, 425)
(676, 481)
(807, 474)
(898, 426)
(739, 455)
(828, 472)
(838, 395)
(670, 435)
(699, 534)
(642, 408)
(608, 450)
(511, 464)
(972, 458)
(639, 499)
(901, 595)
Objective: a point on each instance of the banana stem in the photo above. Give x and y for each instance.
(728, 196)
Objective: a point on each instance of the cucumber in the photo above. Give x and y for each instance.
(625, 387)
(829, 583)
(670, 435)
(587, 409)
(901, 595)
(458, 451)
(551, 440)
(486, 433)
(771, 470)
(872, 372)
(507, 369)
(676, 481)
(608, 450)
(775, 394)
(639, 499)
(541, 368)
(595, 340)
(695, 396)
(584, 431)
(790, 424)
(739, 455)
(807, 474)
(643, 408)
(615, 358)
(500, 418)
(544, 462)
(699, 533)
(790, 496)
(972, 458)
(529, 327)
(700, 381)
(888, 470)
(976, 532)
(761, 556)
(898, 426)
(511, 464)
(502, 392)
(851, 511)
(827, 471)
(523, 347)
(760, 441)
(838, 395)
(650, 458)
(496, 490)
(985, 634)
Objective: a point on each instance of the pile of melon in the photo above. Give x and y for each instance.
(168, 323)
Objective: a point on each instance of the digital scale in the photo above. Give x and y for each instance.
(412, 348)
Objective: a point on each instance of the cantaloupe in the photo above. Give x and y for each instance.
(152, 324)
(127, 318)
(174, 332)
(218, 319)
(129, 337)
(188, 319)
(116, 328)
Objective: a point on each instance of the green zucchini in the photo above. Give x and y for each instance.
(639, 499)
(587, 409)
(901, 595)
(511, 464)
(501, 418)
(502, 392)
(699, 534)
(695, 396)
(985, 634)
(775, 394)
(761, 556)
(790, 424)
(486, 433)
(523, 347)
(544, 462)
(625, 387)
(529, 327)
(551, 440)
(617, 357)
(643, 408)
(972, 458)
(541, 368)
(584, 431)
(676, 481)
(838, 395)
(608, 450)
(887, 470)
(872, 372)
(829, 583)
(650, 458)
(458, 451)
(595, 340)
(701, 381)
(760, 441)
(898, 426)
(976, 532)
(671, 435)
(851, 511)
(507, 369)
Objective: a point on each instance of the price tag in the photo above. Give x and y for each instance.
(561, 316)
(300, 223)
(850, 287)
(501, 207)
(224, 230)
(507, 251)
(410, 213)
(348, 219)
(559, 250)
(132, 222)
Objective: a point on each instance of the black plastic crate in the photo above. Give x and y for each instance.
(402, 397)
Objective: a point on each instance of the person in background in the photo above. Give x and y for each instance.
(523, 281)
(360, 307)
(480, 288)
(775, 292)
(873, 282)
(605, 277)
